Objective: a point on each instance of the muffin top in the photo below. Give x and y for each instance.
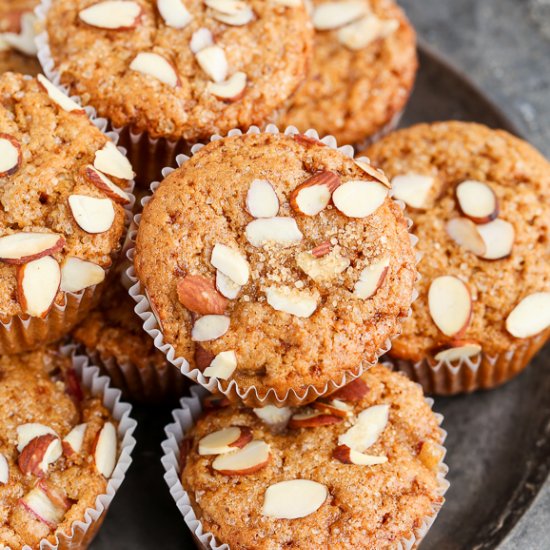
(480, 207)
(181, 69)
(53, 441)
(62, 210)
(366, 476)
(363, 70)
(275, 262)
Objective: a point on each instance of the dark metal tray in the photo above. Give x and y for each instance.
(498, 442)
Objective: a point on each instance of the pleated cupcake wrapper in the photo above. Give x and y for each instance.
(481, 372)
(251, 396)
(186, 416)
(83, 531)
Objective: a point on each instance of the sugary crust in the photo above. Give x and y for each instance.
(56, 145)
(273, 50)
(203, 203)
(34, 389)
(369, 507)
(453, 152)
(352, 95)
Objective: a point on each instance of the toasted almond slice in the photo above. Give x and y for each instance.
(261, 200)
(477, 201)
(105, 452)
(225, 440)
(237, 19)
(210, 327)
(112, 15)
(359, 198)
(10, 155)
(72, 442)
(498, 236)
(293, 499)
(229, 7)
(174, 13)
(27, 432)
(288, 3)
(226, 286)
(37, 286)
(231, 263)
(313, 419)
(289, 300)
(371, 279)
(450, 305)
(460, 352)
(464, 233)
(23, 41)
(412, 189)
(360, 34)
(322, 268)
(103, 183)
(93, 215)
(530, 316)
(202, 38)
(38, 454)
(275, 417)
(112, 162)
(213, 62)
(231, 89)
(334, 407)
(352, 392)
(348, 456)
(198, 294)
(332, 15)
(153, 64)
(59, 98)
(37, 502)
(21, 248)
(77, 274)
(249, 459)
(313, 195)
(222, 366)
(278, 230)
(369, 426)
(371, 171)
(4, 470)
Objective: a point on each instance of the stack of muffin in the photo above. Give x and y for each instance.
(271, 266)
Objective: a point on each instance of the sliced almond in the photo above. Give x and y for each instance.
(27, 432)
(498, 236)
(225, 440)
(322, 268)
(112, 15)
(4, 470)
(153, 64)
(477, 201)
(531, 316)
(368, 427)
(332, 15)
(370, 170)
(371, 279)
(174, 13)
(348, 456)
(222, 366)
(277, 230)
(450, 305)
(353, 392)
(459, 352)
(213, 62)
(300, 303)
(231, 89)
(202, 38)
(38, 454)
(77, 274)
(92, 215)
(464, 233)
(293, 499)
(359, 198)
(59, 98)
(112, 162)
(198, 294)
(360, 34)
(10, 155)
(38, 503)
(37, 286)
(24, 40)
(231, 263)
(288, 3)
(275, 417)
(229, 7)
(313, 195)
(21, 248)
(226, 286)
(105, 452)
(231, 12)
(261, 200)
(72, 442)
(249, 459)
(313, 419)
(412, 189)
(210, 327)
(334, 407)
(103, 183)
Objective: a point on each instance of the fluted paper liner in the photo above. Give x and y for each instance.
(185, 417)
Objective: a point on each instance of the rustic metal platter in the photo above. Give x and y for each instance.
(498, 442)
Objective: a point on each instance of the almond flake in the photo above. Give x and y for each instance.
(360, 34)
(202, 38)
(112, 14)
(323, 268)
(498, 236)
(4, 470)
(213, 62)
(223, 366)
(261, 200)
(224, 441)
(275, 417)
(77, 274)
(464, 233)
(174, 13)
(368, 427)
(450, 305)
(295, 498)
(226, 286)
(153, 64)
(370, 170)
(530, 317)
(278, 230)
(105, 454)
(10, 155)
(23, 247)
(58, 97)
(458, 352)
(252, 457)
(477, 201)
(313, 195)
(24, 41)
(371, 279)
(288, 300)
(37, 286)
(231, 89)
(210, 327)
(332, 15)
(112, 162)
(359, 198)
(231, 263)
(93, 215)
(104, 184)
(412, 189)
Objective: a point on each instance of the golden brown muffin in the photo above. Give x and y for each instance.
(373, 505)
(53, 437)
(364, 66)
(275, 262)
(501, 255)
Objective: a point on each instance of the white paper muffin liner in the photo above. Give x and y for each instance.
(251, 396)
(186, 416)
(83, 531)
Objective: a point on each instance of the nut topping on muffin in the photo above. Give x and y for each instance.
(530, 316)
(332, 15)
(117, 15)
(174, 13)
(251, 458)
(371, 278)
(23, 247)
(412, 189)
(313, 195)
(38, 283)
(308, 418)
(59, 98)
(10, 155)
(293, 499)
(4, 470)
(157, 66)
(225, 441)
(112, 162)
(105, 451)
(222, 366)
(198, 294)
(450, 304)
(477, 201)
(261, 200)
(77, 274)
(93, 215)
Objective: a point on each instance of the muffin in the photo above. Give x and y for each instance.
(113, 336)
(61, 447)
(173, 71)
(363, 71)
(63, 211)
(480, 205)
(360, 470)
(277, 267)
